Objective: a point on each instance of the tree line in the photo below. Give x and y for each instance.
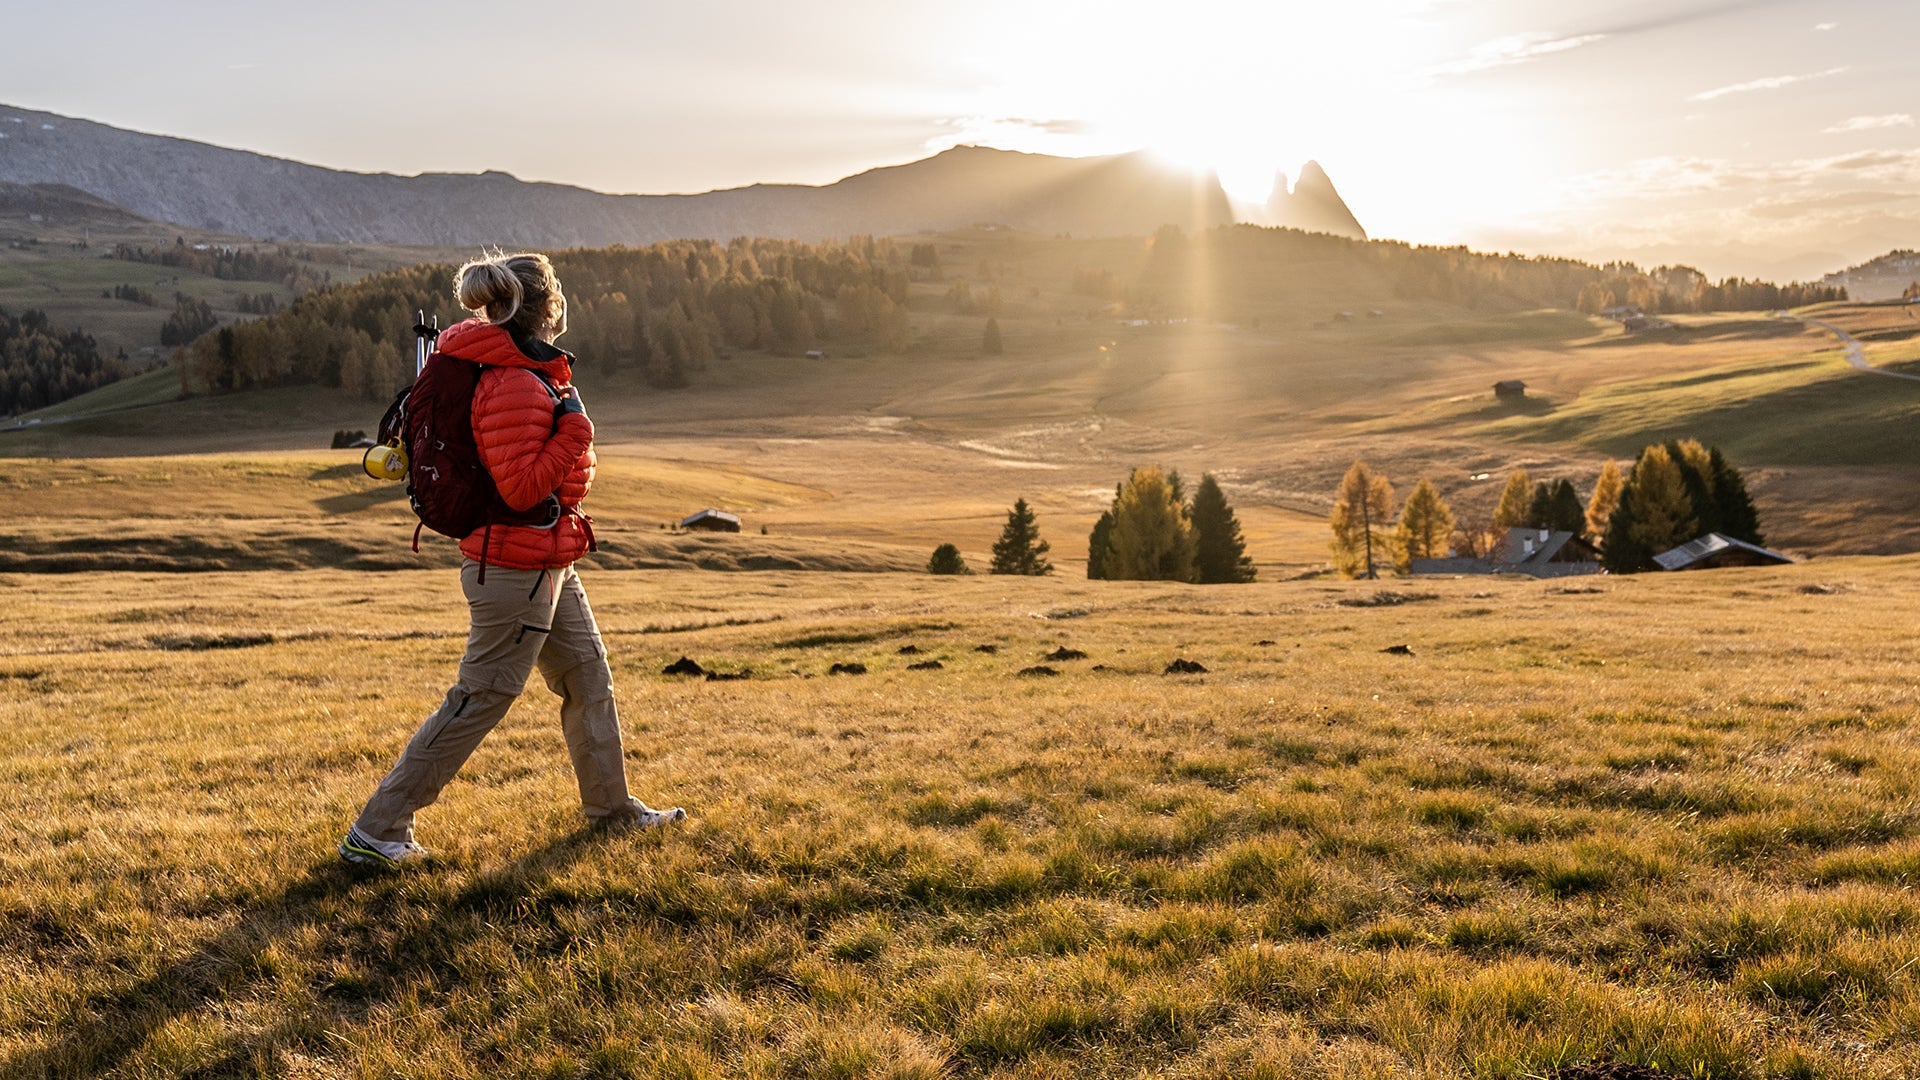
(40, 366)
(281, 265)
(1680, 289)
(664, 310)
(1418, 272)
(1675, 492)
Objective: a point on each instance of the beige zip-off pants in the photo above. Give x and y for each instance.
(521, 619)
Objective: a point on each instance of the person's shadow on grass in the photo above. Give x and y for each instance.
(114, 1024)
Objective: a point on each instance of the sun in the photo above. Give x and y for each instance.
(1246, 173)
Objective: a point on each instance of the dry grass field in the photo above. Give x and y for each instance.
(1665, 820)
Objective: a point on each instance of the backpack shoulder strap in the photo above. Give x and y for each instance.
(393, 422)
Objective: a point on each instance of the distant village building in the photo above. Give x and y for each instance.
(1713, 551)
(1540, 553)
(711, 520)
(1509, 389)
(1619, 312)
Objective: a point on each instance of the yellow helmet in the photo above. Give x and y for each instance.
(388, 461)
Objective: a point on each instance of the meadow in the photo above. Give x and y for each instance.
(1664, 820)
(1659, 821)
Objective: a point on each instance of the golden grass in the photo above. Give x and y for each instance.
(1666, 819)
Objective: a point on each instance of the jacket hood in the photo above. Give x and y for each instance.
(481, 342)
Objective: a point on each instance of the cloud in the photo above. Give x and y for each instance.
(1671, 177)
(1870, 123)
(1026, 123)
(1825, 25)
(1791, 207)
(1771, 82)
(1513, 49)
(1038, 135)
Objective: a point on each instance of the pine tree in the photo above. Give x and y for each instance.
(1220, 554)
(1606, 497)
(1100, 540)
(1151, 538)
(1738, 518)
(1426, 526)
(1696, 476)
(1362, 508)
(1539, 506)
(1020, 549)
(946, 560)
(990, 342)
(1516, 502)
(1564, 512)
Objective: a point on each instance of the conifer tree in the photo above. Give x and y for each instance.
(1606, 497)
(1100, 540)
(990, 342)
(1539, 506)
(1738, 518)
(1516, 502)
(1564, 512)
(1220, 554)
(1362, 508)
(1020, 549)
(946, 560)
(1151, 538)
(1696, 476)
(1426, 526)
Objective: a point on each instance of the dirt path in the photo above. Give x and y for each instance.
(1856, 353)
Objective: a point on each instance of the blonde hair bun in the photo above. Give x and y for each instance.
(486, 287)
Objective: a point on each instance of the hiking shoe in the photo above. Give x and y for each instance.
(358, 847)
(638, 815)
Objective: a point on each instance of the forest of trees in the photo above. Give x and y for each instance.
(1676, 491)
(666, 310)
(663, 310)
(1669, 289)
(188, 320)
(40, 366)
(1448, 274)
(281, 265)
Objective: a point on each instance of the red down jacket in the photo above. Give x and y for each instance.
(528, 456)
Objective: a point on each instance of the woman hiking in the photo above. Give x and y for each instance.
(526, 601)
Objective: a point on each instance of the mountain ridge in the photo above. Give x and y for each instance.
(205, 186)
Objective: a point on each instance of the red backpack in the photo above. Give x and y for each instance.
(450, 489)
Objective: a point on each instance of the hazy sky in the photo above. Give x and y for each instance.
(1769, 137)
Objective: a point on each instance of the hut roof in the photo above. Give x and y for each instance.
(710, 514)
(1714, 548)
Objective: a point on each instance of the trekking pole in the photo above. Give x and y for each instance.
(425, 334)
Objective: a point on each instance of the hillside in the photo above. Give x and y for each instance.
(208, 187)
(905, 448)
(56, 248)
(1885, 278)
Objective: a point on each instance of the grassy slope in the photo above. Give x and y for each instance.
(1277, 404)
(1668, 820)
(59, 266)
